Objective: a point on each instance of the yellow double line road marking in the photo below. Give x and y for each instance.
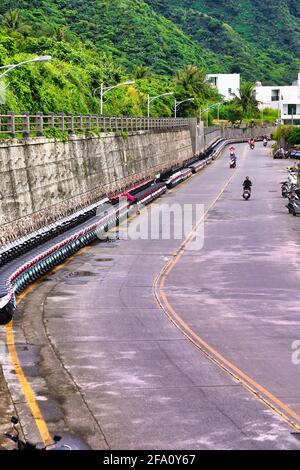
(274, 403)
(25, 386)
(262, 394)
(14, 358)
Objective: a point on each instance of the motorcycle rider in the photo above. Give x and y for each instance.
(265, 142)
(247, 184)
(251, 142)
(233, 160)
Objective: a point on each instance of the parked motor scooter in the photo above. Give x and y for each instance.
(284, 188)
(14, 436)
(294, 201)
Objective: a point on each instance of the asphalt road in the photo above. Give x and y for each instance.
(107, 364)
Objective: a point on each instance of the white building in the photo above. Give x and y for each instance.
(284, 98)
(227, 84)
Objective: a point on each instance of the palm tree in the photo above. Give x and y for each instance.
(192, 80)
(247, 99)
(62, 33)
(141, 71)
(12, 20)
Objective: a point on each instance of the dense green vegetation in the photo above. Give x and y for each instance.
(130, 30)
(287, 136)
(257, 38)
(76, 70)
(260, 39)
(153, 42)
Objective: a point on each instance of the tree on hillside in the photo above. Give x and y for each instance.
(141, 71)
(62, 33)
(247, 99)
(193, 81)
(12, 20)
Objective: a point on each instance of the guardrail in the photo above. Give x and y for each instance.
(38, 124)
(24, 261)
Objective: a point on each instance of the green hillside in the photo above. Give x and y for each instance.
(257, 38)
(128, 29)
(109, 40)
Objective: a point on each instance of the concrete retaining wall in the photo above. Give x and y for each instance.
(205, 137)
(43, 179)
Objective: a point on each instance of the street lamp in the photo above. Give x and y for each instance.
(43, 58)
(154, 98)
(104, 90)
(262, 110)
(179, 103)
(210, 107)
(218, 106)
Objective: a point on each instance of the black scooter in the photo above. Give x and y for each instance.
(284, 188)
(247, 194)
(294, 201)
(14, 436)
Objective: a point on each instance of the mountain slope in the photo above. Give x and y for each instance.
(257, 38)
(129, 29)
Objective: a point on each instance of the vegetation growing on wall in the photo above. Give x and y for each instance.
(287, 136)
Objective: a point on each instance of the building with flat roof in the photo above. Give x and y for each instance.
(227, 84)
(284, 98)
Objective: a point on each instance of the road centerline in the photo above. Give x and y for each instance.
(263, 395)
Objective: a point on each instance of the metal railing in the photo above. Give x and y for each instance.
(25, 125)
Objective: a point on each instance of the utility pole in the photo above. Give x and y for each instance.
(177, 104)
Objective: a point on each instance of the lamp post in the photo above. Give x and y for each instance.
(280, 108)
(177, 104)
(104, 90)
(218, 106)
(154, 98)
(210, 107)
(43, 58)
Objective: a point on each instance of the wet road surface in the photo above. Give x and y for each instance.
(129, 376)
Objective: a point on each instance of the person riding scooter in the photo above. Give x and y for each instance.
(247, 184)
(232, 163)
(251, 143)
(265, 142)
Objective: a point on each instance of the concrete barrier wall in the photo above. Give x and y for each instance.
(247, 133)
(206, 136)
(42, 179)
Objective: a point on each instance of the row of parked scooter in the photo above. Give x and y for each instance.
(291, 190)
